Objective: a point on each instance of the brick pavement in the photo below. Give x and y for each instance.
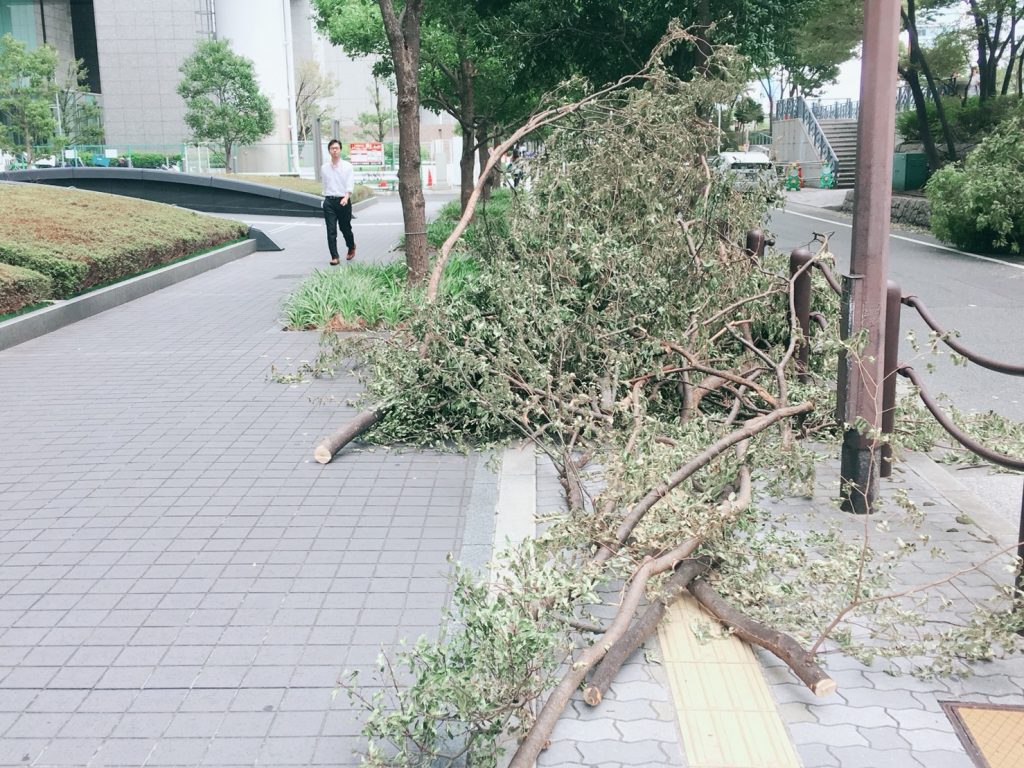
(180, 584)
(876, 719)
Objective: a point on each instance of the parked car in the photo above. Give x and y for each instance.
(749, 170)
(52, 161)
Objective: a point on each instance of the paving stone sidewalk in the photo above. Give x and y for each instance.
(180, 583)
(876, 720)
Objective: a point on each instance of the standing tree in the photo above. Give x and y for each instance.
(917, 63)
(311, 87)
(80, 118)
(355, 25)
(995, 28)
(27, 93)
(222, 98)
(377, 124)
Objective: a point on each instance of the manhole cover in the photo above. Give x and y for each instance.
(992, 734)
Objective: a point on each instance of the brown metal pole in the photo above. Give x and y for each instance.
(893, 305)
(799, 259)
(870, 253)
(755, 243)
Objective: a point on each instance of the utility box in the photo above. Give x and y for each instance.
(909, 170)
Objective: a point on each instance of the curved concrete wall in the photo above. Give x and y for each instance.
(213, 194)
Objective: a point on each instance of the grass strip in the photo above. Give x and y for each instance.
(359, 296)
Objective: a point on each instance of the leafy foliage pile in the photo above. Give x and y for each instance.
(981, 205)
(622, 326)
(79, 239)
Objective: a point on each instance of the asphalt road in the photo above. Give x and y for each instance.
(982, 297)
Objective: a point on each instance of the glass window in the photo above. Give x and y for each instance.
(18, 17)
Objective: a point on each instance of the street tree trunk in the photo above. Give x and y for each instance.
(918, 60)
(914, 81)
(467, 120)
(483, 144)
(403, 31)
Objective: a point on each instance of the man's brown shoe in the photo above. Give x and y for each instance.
(351, 254)
(335, 262)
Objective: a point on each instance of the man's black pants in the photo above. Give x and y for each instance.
(337, 215)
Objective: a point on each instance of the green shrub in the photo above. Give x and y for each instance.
(65, 276)
(981, 205)
(970, 120)
(152, 159)
(83, 239)
(20, 287)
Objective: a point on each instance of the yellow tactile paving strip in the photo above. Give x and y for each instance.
(726, 712)
(996, 732)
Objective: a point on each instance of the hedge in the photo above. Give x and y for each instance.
(20, 288)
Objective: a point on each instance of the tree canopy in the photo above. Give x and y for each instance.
(222, 98)
(27, 93)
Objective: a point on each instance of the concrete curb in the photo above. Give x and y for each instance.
(34, 324)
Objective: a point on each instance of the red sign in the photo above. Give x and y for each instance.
(366, 153)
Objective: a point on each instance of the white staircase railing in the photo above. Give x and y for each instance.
(798, 109)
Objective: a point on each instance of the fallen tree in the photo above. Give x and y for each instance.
(623, 327)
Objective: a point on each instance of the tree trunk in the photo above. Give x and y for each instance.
(940, 109)
(1015, 46)
(404, 39)
(914, 82)
(483, 151)
(467, 119)
(783, 646)
(1020, 76)
(227, 157)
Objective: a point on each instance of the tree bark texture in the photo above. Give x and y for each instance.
(918, 58)
(331, 445)
(467, 119)
(914, 82)
(783, 646)
(403, 32)
(641, 629)
(526, 755)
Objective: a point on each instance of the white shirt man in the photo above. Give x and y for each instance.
(339, 182)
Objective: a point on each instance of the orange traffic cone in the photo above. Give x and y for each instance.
(430, 178)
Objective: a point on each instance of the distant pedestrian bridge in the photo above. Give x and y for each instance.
(213, 194)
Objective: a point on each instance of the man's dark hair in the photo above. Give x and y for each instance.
(332, 142)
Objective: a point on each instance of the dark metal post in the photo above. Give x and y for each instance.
(870, 252)
(800, 259)
(893, 305)
(755, 243)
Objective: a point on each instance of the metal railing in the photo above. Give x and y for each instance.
(800, 263)
(797, 109)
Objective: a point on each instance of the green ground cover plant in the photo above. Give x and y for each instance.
(79, 240)
(359, 296)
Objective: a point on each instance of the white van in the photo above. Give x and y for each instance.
(749, 170)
